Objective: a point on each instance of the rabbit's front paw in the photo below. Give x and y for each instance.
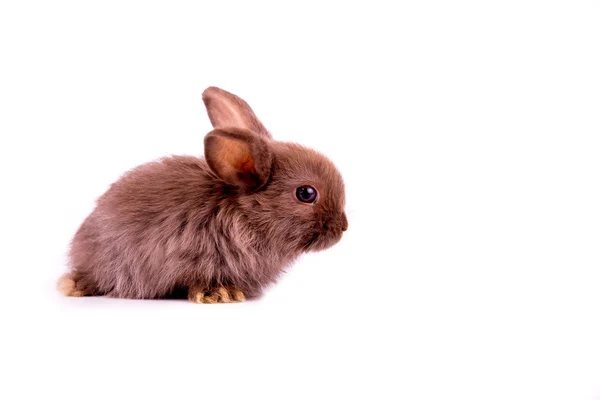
(219, 295)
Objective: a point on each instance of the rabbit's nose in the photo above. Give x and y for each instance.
(344, 222)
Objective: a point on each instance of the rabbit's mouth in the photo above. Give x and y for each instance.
(323, 240)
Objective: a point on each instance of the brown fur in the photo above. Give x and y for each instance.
(219, 228)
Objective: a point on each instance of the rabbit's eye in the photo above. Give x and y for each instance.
(306, 194)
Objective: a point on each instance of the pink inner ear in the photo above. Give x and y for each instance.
(247, 165)
(231, 158)
(223, 113)
(237, 155)
(227, 110)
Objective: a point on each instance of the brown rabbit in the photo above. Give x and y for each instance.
(218, 229)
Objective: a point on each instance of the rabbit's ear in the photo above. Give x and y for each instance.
(226, 110)
(238, 157)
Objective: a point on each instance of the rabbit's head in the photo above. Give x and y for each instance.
(293, 194)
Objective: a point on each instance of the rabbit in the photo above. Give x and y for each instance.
(217, 229)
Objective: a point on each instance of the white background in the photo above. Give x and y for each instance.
(468, 134)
